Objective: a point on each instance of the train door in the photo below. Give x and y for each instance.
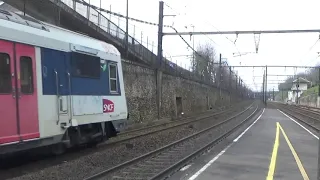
(27, 91)
(18, 95)
(57, 81)
(9, 131)
(63, 86)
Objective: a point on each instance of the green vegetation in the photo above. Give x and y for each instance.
(313, 90)
(311, 75)
(281, 95)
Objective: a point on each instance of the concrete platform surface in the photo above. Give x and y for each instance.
(275, 147)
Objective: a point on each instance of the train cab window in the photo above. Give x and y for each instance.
(113, 78)
(85, 65)
(5, 74)
(26, 75)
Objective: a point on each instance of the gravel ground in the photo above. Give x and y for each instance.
(153, 165)
(97, 161)
(162, 127)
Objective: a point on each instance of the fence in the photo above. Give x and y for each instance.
(144, 50)
(148, 55)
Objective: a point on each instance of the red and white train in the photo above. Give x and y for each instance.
(58, 88)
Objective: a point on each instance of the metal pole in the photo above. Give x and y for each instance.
(118, 26)
(141, 37)
(88, 10)
(297, 101)
(193, 48)
(319, 132)
(236, 83)
(99, 16)
(220, 58)
(110, 13)
(134, 31)
(263, 86)
(160, 33)
(24, 8)
(230, 78)
(273, 94)
(127, 28)
(266, 83)
(239, 85)
(159, 57)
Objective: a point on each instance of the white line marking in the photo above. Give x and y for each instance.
(299, 124)
(223, 151)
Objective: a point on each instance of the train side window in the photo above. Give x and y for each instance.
(5, 74)
(113, 80)
(85, 65)
(26, 75)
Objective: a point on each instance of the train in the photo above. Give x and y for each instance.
(58, 88)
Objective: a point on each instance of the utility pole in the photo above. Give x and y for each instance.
(160, 33)
(127, 28)
(240, 86)
(159, 58)
(230, 78)
(263, 86)
(298, 85)
(266, 83)
(273, 94)
(319, 132)
(220, 58)
(236, 83)
(193, 60)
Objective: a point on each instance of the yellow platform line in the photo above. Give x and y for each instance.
(273, 161)
(295, 155)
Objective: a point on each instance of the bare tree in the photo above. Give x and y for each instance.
(203, 63)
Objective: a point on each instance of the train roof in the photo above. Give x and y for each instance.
(31, 31)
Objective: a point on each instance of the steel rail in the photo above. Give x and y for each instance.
(137, 159)
(203, 118)
(182, 162)
(290, 112)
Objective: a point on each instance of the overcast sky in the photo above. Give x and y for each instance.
(214, 15)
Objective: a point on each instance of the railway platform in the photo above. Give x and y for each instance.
(275, 147)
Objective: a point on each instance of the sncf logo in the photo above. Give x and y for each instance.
(108, 106)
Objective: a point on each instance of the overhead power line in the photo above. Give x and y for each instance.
(248, 32)
(117, 14)
(309, 51)
(213, 27)
(187, 43)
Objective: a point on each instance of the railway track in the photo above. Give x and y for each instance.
(130, 135)
(196, 116)
(133, 134)
(161, 162)
(309, 117)
(315, 109)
